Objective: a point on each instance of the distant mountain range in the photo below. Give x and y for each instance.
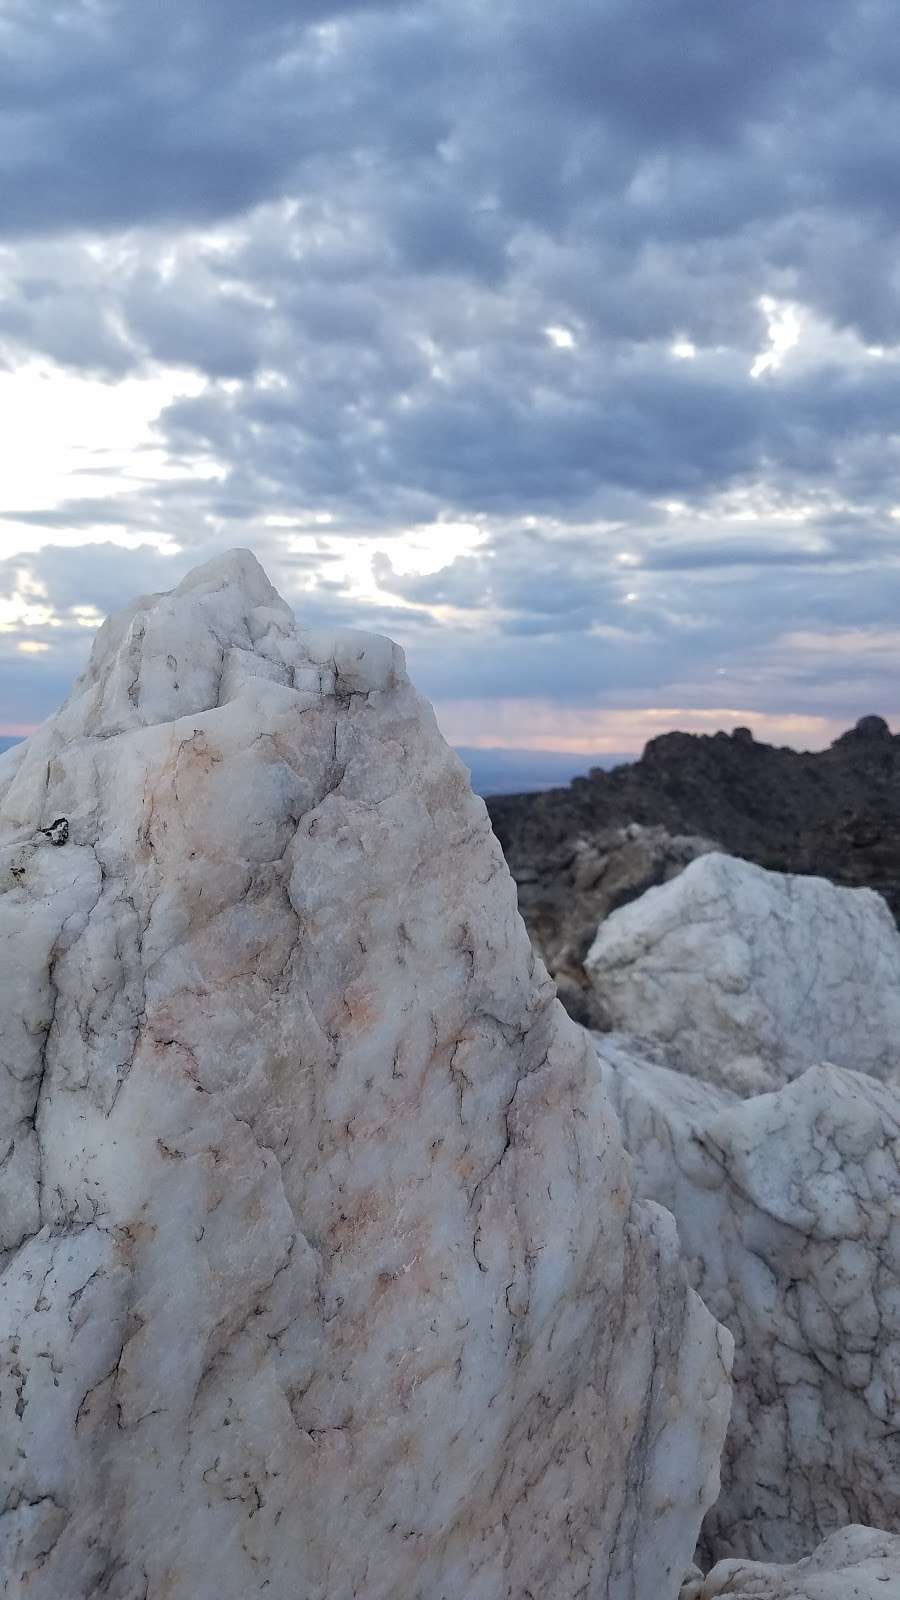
(501, 771)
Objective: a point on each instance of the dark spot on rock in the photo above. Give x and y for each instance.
(58, 831)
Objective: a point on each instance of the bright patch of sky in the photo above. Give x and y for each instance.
(65, 435)
(561, 338)
(619, 731)
(783, 328)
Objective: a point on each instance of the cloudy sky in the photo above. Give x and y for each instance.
(560, 341)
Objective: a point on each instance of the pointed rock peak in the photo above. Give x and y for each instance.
(191, 650)
(236, 569)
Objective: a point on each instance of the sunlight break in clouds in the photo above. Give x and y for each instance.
(67, 435)
(562, 338)
(783, 330)
(415, 552)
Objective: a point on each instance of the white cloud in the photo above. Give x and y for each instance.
(69, 436)
(783, 328)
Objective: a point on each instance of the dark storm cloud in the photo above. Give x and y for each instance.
(115, 114)
(120, 119)
(524, 430)
(206, 327)
(673, 70)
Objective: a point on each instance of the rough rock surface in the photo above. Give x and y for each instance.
(321, 1270)
(788, 1210)
(855, 1564)
(751, 976)
(565, 898)
(834, 813)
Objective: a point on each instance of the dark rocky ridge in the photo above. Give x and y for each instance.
(834, 812)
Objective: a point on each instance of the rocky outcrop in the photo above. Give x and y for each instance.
(855, 1564)
(564, 898)
(787, 1208)
(833, 813)
(322, 1274)
(748, 977)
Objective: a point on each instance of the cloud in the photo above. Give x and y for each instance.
(349, 227)
(115, 120)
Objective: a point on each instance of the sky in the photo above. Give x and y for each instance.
(560, 342)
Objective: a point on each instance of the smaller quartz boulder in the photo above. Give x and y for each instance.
(748, 977)
(855, 1564)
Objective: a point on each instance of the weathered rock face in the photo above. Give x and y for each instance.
(788, 1210)
(748, 977)
(855, 1564)
(322, 1273)
(565, 897)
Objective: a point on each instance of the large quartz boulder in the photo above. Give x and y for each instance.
(748, 977)
(788, 1210)
(322, 1273)
(855, 1564)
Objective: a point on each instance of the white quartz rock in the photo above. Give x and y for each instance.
(748, 977)
(788, 1210)
(322, 1272)
(855, 1564)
